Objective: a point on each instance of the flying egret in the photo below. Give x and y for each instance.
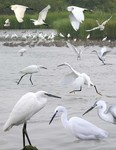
(102, 53)
(30, 70)
(79, 127)
(28, 105)
(42, 17)
(7, 23)
(76, 16)
(19, 11)
(106, 114)
(22, 51)
(77, 52)
(101, 27)
(77, 79)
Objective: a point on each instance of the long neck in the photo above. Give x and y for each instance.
(73, 70)
(64, 119)
(104, 115)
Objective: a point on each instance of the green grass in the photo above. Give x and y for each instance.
(60, 21)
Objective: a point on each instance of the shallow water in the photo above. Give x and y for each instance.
(54, 136)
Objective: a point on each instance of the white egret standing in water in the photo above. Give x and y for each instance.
(79, 127)
(28, 105)
(30, 70)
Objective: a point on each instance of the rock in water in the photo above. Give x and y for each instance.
(29, 147)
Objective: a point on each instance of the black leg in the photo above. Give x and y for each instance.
(21, 78)
(31, 79)
(97, 90)
(25, 134)
(76, 90)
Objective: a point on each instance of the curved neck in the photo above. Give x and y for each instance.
(64, 119)
(73, 70)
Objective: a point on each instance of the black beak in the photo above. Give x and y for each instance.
(60, 65)
(50, 95)
(89, 110)
(44, 67)
(53, 117)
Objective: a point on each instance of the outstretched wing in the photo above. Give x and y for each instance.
(74, 22)
(106, 21)
(72, 47)
(93, 29)
(43, 13)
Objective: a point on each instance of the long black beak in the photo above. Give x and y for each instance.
(53, 117)
(50, 95)
(44, 67)
(60, 65)
(89, 110)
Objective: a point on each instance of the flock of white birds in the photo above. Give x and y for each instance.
(31, 103)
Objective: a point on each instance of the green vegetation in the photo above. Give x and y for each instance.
(58, 17)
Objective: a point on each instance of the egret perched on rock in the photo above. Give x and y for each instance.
(22, 51)
(19, 11)
(106, 114)
(7, 23)
(77, 79)
(76, 16)
(42, 17)
(101, 27)
(77, 52)
(102, 53)
(79, 127)
(30, 70)
(28, 105)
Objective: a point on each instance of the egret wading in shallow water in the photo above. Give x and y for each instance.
(19, 11)
(76, 16)
(77, 79)
(106, 114)
(102, 53)
(79, 127)
(42, 17)
(30, 70)
(22, 51)
(101, 27)
(77, 52)
(28, 105)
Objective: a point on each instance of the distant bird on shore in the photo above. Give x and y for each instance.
(76, 16)
(106, 114)
(22, 51)
(30, 70)
(42, 17)
(19, 11)
(77, 52)
(101, 27)
(80, 128)
(77, 79)
(102, 53)
(7, 23)
(27, 106)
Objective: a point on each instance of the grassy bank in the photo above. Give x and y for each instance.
(60, 22)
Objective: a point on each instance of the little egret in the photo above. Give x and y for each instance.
(102, 53)
(7, 23)
(76, 16)
(42, 17)
(79, 127)
(19, 11)
(106, 114)
(77, 79)
(22, 51)
(30, 70)
(77, 52)
(101, 27)
(28, 105)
